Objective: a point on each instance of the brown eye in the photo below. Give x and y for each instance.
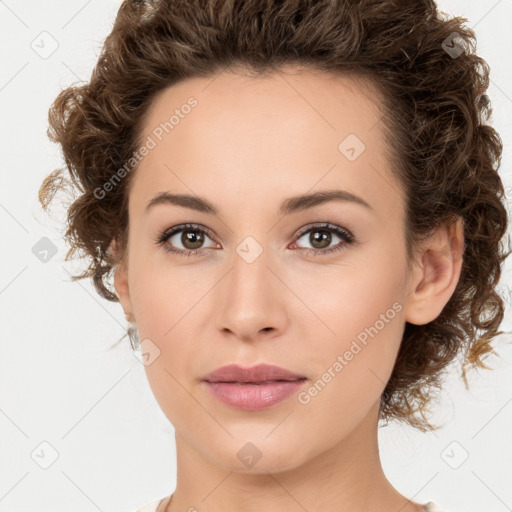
(190, 237)
(195, 238)
(320, 237)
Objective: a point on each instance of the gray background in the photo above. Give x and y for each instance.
(63, 393)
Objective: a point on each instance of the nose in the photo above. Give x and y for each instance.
(252, 302)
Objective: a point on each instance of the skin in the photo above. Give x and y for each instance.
(248, 145)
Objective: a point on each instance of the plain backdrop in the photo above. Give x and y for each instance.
(80, 427)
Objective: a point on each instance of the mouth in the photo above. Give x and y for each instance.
(259, 374)
(254, 396)
(254, 382)
(253, 388)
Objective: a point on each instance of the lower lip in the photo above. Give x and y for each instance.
(253, 397)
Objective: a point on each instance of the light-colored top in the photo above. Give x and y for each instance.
(153, 506)
(432, 507)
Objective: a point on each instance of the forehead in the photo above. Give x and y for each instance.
(293, 96)
(284, 131)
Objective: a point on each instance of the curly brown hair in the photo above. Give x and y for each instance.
(433, 92)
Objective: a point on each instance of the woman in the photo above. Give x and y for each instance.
(300, 208)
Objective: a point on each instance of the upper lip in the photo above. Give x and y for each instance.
(258, 373)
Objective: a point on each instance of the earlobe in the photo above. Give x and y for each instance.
(436, 274)
(121, 282)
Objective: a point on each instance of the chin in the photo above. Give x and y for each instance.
(257, 455)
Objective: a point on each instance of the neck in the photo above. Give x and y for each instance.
(344, 477)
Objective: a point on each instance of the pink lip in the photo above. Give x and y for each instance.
(258, 373)
(252, 397)
(253, 388)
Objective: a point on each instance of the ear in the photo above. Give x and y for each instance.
(435, 274)
(121, 281)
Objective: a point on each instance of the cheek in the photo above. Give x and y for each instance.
(343, 300)
(160, 296)
(353, 365)
(353, 327)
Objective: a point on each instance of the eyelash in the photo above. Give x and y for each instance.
(342, 233)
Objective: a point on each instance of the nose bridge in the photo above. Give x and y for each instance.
(250, 275)
(251, 298)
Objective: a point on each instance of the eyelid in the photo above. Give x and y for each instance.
(164, 236)
(347, 238)
(184, 227)
(326, 225)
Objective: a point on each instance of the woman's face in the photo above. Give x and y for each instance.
(256, 292)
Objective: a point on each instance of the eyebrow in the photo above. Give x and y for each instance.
(290, 205)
